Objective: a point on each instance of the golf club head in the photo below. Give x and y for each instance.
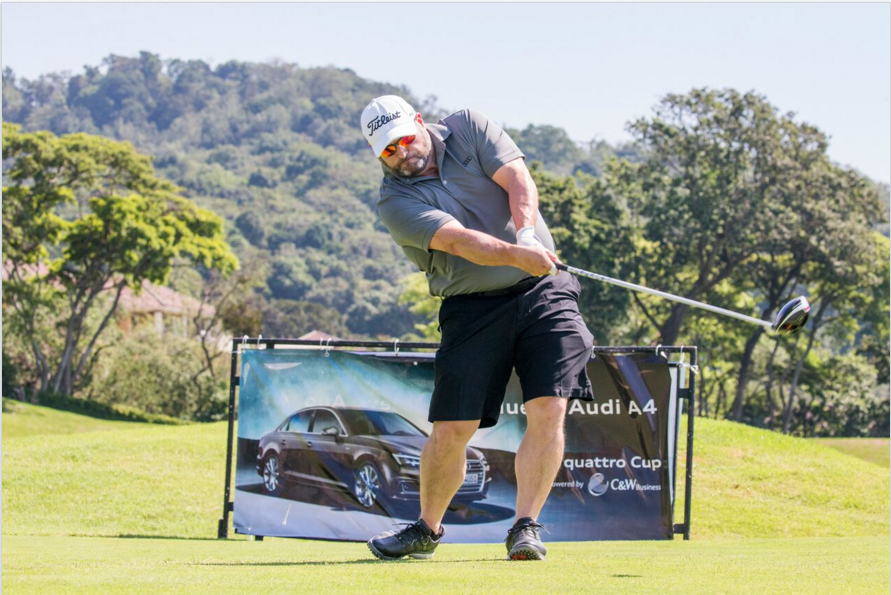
(792, 317)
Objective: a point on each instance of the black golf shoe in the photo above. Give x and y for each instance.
(416, 541)
(524, 542)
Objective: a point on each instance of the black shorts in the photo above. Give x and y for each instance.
(536, 329)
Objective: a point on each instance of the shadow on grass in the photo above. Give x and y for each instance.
(458, 513)
(344, 562)
(135, 536)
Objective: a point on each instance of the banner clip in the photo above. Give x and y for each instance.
(660, 352)
(396, 347)
(259, 337)
(683, 363)
(327, 347)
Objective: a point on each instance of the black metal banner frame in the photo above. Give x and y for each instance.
(686, 395)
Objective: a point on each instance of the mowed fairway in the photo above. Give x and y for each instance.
(105, 565)
(133, 508)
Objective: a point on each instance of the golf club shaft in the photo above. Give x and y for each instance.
(662, 294)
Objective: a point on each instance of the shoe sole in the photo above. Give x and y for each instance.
(382, 556)
(525, 553)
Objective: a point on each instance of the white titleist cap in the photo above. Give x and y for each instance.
(385, 120)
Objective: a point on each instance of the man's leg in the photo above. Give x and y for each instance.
(540, 454)
(538, 460)
(443, 463)
(442, 473)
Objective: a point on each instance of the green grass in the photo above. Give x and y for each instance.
(874, 450)
(749, 483)
(149, 480)
(22, 419)
(770, 513)
(97, 565)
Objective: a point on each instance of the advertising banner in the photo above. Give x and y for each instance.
(329, 447)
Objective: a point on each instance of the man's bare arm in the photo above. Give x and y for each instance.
(522, 193)
(481, 248)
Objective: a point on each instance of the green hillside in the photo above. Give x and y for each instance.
(167, 481)
(275, 150)
(138, 481)
(874, 450)
(23, 419)
(751, 482)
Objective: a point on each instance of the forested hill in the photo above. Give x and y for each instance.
(275, 150)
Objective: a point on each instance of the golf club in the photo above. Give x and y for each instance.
(791, 318)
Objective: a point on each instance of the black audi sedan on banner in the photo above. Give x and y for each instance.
(373, 455)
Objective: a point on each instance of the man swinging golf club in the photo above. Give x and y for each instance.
(459, 200)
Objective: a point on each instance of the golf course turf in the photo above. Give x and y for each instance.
(133, 508)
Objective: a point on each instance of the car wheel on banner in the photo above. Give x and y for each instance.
(367, 486)
(272, 478)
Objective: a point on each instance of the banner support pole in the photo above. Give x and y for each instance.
(223, 526)
(691, 415)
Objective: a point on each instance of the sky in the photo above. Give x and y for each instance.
(587, 68)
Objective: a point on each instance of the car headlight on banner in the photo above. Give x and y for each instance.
(408, 461)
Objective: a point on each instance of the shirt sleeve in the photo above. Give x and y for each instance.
(493, 145)
(410, 220)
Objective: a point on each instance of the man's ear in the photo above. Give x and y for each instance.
(419, 119)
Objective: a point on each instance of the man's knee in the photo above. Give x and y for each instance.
(454, 433)
(546, 414)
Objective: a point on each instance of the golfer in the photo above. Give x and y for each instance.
(459, 200)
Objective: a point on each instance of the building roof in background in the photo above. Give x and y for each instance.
(157, 298)
(153, 298)
(317, 336)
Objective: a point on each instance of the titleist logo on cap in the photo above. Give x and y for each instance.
(381, 120)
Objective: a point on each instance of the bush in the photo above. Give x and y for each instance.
(102, 410)
(161, 375)
(9, 376)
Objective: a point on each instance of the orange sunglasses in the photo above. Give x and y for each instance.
(390, 149)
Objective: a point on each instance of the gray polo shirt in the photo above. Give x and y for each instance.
(469, 150)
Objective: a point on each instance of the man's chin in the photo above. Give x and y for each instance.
(412, 167)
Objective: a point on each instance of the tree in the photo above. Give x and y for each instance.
(590, 230)
(83, 218)
(795, 211)
(702, 193)
(229, 298)
(842, 279)
(876, 316)
(549, 145)
(252, 228)
(293, 318)
(416, 295)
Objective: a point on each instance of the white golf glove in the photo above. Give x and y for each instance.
(526, 237)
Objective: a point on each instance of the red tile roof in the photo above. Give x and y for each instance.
(157, 298)
(153, 298)
(317, 336)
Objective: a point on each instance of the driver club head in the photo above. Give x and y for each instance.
(792, 317)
